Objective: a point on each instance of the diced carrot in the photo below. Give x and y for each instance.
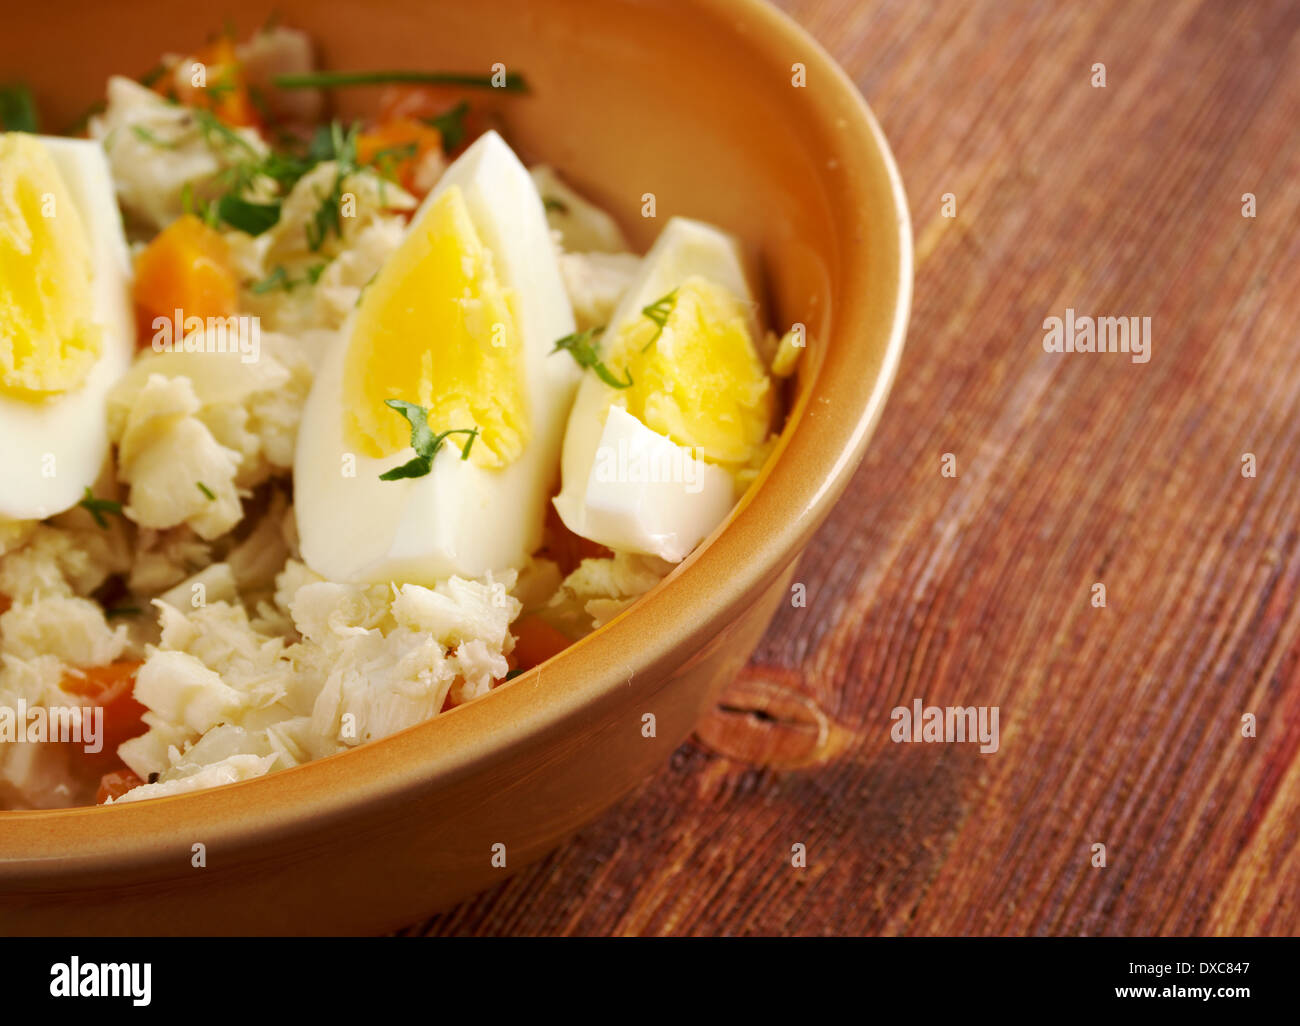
(187, 267)
(116, 784)
(398, 148)
(111, 687)
(420, 102)
(223, 90)
(535, 641)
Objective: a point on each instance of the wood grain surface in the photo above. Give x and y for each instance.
(1119, 725)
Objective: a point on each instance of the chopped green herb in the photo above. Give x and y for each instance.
(280, 278)
(423, 441)
(122, 611)
(206, 490)
(581, 346)
(98, 507)
(450, 125)
(551, 203)
(512, 674)
(143, 133)
(18, 109)
(253, 218)
(215, 131)
(514, 82)
(659, 311)
(385, 161)
(329, 215)
(277, 279)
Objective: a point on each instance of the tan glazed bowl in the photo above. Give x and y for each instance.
(697, 102)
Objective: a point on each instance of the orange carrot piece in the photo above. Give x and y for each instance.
(535, 641)
(397, 148)
(111, 687)
(187, 267)
(224, 91)
(116, 784)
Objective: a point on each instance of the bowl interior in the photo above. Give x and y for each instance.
(695, 103)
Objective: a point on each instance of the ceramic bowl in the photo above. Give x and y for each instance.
(723, 110)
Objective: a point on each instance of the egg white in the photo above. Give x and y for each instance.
(51, 450)
(460, 519)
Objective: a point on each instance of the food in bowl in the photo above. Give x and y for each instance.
(311, 431)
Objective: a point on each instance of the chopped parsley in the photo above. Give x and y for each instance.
(206, 490)
(17, 109)
(581, 346)
(423, 440)
(659, 311)
(247, 216)
(551, 203)
(98, 507)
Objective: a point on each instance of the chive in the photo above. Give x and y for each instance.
(514, 83)
(551, 203)
(122, 611)
(98, 507)
(450, 125)
(512, 674)
(253, 218)
(315, 271)
(18, 109)
(581, 346)
(206, 490)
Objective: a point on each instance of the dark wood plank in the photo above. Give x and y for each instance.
(1118, 725)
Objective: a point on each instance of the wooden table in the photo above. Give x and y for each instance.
(1120, 725)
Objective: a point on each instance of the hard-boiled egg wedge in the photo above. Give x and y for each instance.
(654, 466)
(66, 330)
(458, 323)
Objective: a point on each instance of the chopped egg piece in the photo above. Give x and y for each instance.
(645, 465)
(66, 331)
(460, 323)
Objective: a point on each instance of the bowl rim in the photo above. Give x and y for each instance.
(765, 533)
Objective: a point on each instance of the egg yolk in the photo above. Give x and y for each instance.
(437, 328)
(699, 380)
(48, 342)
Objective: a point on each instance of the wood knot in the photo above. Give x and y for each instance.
(765, 720)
